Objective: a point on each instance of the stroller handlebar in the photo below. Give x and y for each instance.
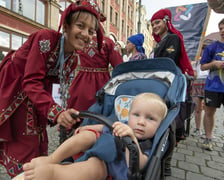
(98, 117)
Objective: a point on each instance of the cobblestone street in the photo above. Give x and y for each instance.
(189, 162)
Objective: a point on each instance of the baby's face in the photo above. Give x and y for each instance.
(145, 118)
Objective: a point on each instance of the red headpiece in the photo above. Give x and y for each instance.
(86, 5)
(165, 15)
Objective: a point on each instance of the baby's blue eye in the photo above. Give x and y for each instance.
(136, 114)
(149, 118)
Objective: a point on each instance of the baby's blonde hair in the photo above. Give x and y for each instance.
(152, 97)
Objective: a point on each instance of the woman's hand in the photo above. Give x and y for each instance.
(65, 119)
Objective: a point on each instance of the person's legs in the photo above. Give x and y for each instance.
(212, 101)
(198, 94)
(29, 140)
(209, 120)
(74, 145)
(197, 115)
(92, 169)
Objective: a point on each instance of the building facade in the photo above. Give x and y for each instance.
(20, 18)
(144, 26)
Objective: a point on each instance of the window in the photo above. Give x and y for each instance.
(32, 9)
(16, 41)
(25, 8)
(4, 39)
(116, 19)
(64, 4)
(5, 3)
(2, 55)
(103, 6)
(11, 40)
(132, 15)
(111, 14)
(128, 31)
(129, 11)
(40, 18)
(122, 30)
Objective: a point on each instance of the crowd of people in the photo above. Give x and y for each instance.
(78, 60)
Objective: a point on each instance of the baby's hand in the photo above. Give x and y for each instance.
(121, 130)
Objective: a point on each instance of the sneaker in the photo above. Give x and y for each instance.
(207, 144)
(196, 133)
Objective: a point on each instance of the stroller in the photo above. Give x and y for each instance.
(186, 112)
(160, 76)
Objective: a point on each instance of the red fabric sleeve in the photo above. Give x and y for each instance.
(41, 45)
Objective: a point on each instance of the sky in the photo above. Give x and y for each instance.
(154, 5)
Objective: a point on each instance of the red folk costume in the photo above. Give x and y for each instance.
(26, 101)
(26, 78)
(93, 73)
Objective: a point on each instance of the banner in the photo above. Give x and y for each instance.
(190, 20)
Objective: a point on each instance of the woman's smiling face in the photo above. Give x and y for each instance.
(80, 32)
(159, 27)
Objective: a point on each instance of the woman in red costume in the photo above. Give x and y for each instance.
(26, 78)
(170, 41)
